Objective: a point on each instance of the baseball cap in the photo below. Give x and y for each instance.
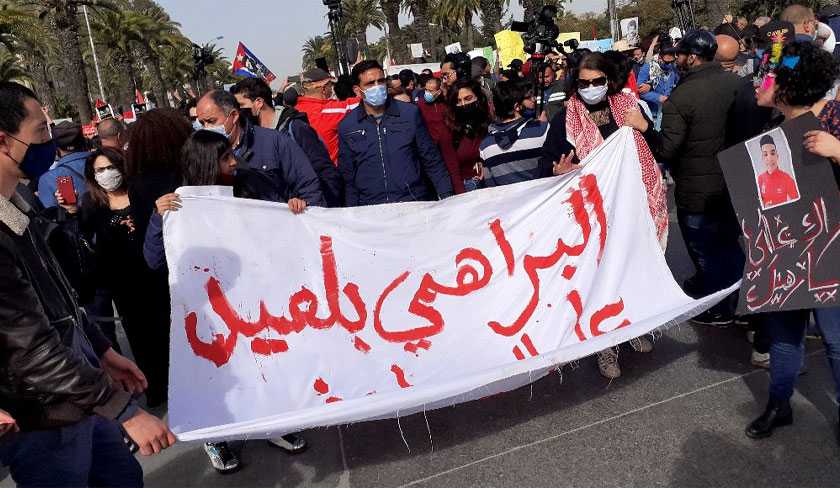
(68, 136)
(776, 31)
(316, 76)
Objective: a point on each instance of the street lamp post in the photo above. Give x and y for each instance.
(93, 50)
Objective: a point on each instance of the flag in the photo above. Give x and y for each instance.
(246, 64)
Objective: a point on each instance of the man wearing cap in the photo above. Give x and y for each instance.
(73, 153)
(693, 131)
(323, 111)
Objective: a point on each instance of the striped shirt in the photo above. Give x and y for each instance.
(513, 152)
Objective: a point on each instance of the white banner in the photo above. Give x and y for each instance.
(453, 48)
(416, 50)
(282, 322)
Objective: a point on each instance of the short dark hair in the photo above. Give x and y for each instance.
(431, 78)
(360, 68)
(506, 95)
(407, 76)
(252, 89)
(480, 62)
(200, 156)
(343, 87)
(598, 62)
(224, 100)
(808, 81)
(117, 159)
(110, 128)
(766, 139)
(12, 105)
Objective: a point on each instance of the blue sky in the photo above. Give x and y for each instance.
(275, 30)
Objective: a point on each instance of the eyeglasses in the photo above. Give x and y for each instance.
(599, 81)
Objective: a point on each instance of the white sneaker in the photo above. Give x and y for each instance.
(608, 364)
(760, 360)
(291, 443)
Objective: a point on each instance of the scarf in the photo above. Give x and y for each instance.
(583, 134)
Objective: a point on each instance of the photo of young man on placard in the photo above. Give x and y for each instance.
(773, 167)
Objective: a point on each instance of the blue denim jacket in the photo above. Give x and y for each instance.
(386, 162)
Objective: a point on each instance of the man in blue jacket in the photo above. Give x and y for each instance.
(265, 150)
(384, 149)
(657, 79)
(73, 153)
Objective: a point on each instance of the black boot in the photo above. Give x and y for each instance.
(777, 414)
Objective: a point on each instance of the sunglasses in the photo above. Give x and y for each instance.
(600, 81)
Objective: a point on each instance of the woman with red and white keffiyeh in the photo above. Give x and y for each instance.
(596, 109)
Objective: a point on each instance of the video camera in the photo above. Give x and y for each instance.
(540, 34)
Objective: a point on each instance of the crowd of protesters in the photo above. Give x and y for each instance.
(81, 246)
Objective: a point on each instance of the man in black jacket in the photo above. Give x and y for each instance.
(694, 121)
(254, 95)
(61, 381)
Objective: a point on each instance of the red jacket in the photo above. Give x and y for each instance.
(324, 116)
(434, 115)
(460, 162)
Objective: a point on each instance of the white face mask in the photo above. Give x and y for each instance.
(110, 180)
(593, 94)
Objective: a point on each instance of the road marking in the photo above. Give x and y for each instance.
(588, 426)
(344, 479)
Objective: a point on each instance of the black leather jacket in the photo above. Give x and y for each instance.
(49, 374)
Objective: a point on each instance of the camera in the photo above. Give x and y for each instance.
(540, 34)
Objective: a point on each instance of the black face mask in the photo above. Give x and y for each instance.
(38, 158)
(468, 113)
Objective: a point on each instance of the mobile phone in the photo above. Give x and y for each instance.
(66, 189)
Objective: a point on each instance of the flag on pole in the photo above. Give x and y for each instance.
(246, 64)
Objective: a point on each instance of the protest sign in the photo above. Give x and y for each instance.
(630, 30)
(788, 207)
(283, 322)
(597, 45)
(453, 48)
(416, 50)
(486, 52)
(510, 46)
(567, 36)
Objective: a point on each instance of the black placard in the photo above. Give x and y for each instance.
(788, 205)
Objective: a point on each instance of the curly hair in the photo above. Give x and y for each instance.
(155, 141)
(808, 81)
(459, 131)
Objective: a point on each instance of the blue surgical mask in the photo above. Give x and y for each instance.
(220, 129)
(376, 96)
(429, 97)
(38, 158)
(197, 125)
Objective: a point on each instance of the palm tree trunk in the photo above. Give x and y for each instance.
(421, 19)
(67, 30)
(127, 95)
(491, 19)
(391, 9)
(468, 27)
(153, 65)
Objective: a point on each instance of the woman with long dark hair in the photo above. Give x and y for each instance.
(206, 160)
(796, 86)
(106, 219)
(597, 108)
(467, 117)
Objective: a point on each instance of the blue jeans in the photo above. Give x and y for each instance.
(88, 453)
(786, 331)
(470, 185)
(712, 242)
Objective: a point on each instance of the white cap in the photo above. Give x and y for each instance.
(675, 33)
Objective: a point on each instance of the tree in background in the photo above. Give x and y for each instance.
(318, 47)
(358, 16)
(491, 13)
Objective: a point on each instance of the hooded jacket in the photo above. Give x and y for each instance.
(513, 152)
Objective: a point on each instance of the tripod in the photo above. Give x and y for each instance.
(334, 16)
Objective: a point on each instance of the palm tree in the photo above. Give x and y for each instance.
(391, 10)
(111, 33)
(533, 7)
(420, 10)
(152, 29)
(317, 47)
(10, 68)
(63, 17)
(358, 16)
(459, 14)
(491, 14)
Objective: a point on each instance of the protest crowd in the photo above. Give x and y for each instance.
(82, 218)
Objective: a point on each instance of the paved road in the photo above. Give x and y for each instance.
(675, 418)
